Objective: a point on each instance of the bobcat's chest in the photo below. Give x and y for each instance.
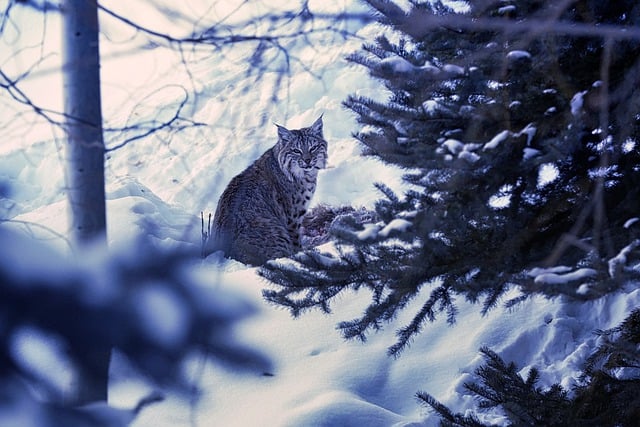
(301, 197)
(299, 201)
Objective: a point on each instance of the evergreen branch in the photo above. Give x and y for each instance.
(601, 399)
(491, 301)
(420, 21)
(388, 192)
(377, 313)
(441, 296)
(447, 417)
(501, 385)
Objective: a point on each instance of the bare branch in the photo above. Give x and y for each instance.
(18, 95)
(213, 37)
(175, 122)
(28, 225)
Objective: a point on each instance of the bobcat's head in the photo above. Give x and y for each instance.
(301, 152)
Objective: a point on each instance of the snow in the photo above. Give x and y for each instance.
(628, 145)
(453, 145)
(372, 231)
(463, 151)
(430, 69)
(453, 70)
(529, 130)
(561, 279)
(506, 9)
(159, 186)
(496, 140)
(368, 232)
(397, 224)
(616, 264)
(338, 408)
(547, 173)
(433, 106)
(469, 156)
(397, 64)
(628, 223)
(518, 54)
(528, 153)
(577, 102)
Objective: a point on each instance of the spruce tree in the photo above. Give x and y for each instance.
(517, 124)
(608, 393)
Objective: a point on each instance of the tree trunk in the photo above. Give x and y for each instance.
(85, 156)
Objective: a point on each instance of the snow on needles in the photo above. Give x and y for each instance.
(560, 275)
(372, 231)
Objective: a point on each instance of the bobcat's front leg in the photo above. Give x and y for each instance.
(294, 231)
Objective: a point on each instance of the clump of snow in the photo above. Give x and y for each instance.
(502, 199)
(369, 232)
(528, 153)
(555, 278)
(397, 224)
(503, 10)
(397, 64)
(628, 145)
(453, 145)
(432, 107)
(583, 289)
(618, 262)
(547, 173)
(429, 69)
(529, 130)
(460, 150)
(628, 223)
(453, 70)
(577, 102)
(372, 231)
(501, 136)
(469, 156)
(496, 140)
(559, 269)
(518, 54)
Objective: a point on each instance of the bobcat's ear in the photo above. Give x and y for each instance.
(316, 127)
(284, 134)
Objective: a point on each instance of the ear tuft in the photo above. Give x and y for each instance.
(283, 133)
(316, 127)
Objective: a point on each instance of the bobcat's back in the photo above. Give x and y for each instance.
(259, 215)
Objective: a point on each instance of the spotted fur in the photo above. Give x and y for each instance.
(259, 215)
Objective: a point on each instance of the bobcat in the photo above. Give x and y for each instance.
(259, 215)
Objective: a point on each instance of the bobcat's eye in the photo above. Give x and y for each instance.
(296, 151)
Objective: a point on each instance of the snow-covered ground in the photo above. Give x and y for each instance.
(159, 186)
